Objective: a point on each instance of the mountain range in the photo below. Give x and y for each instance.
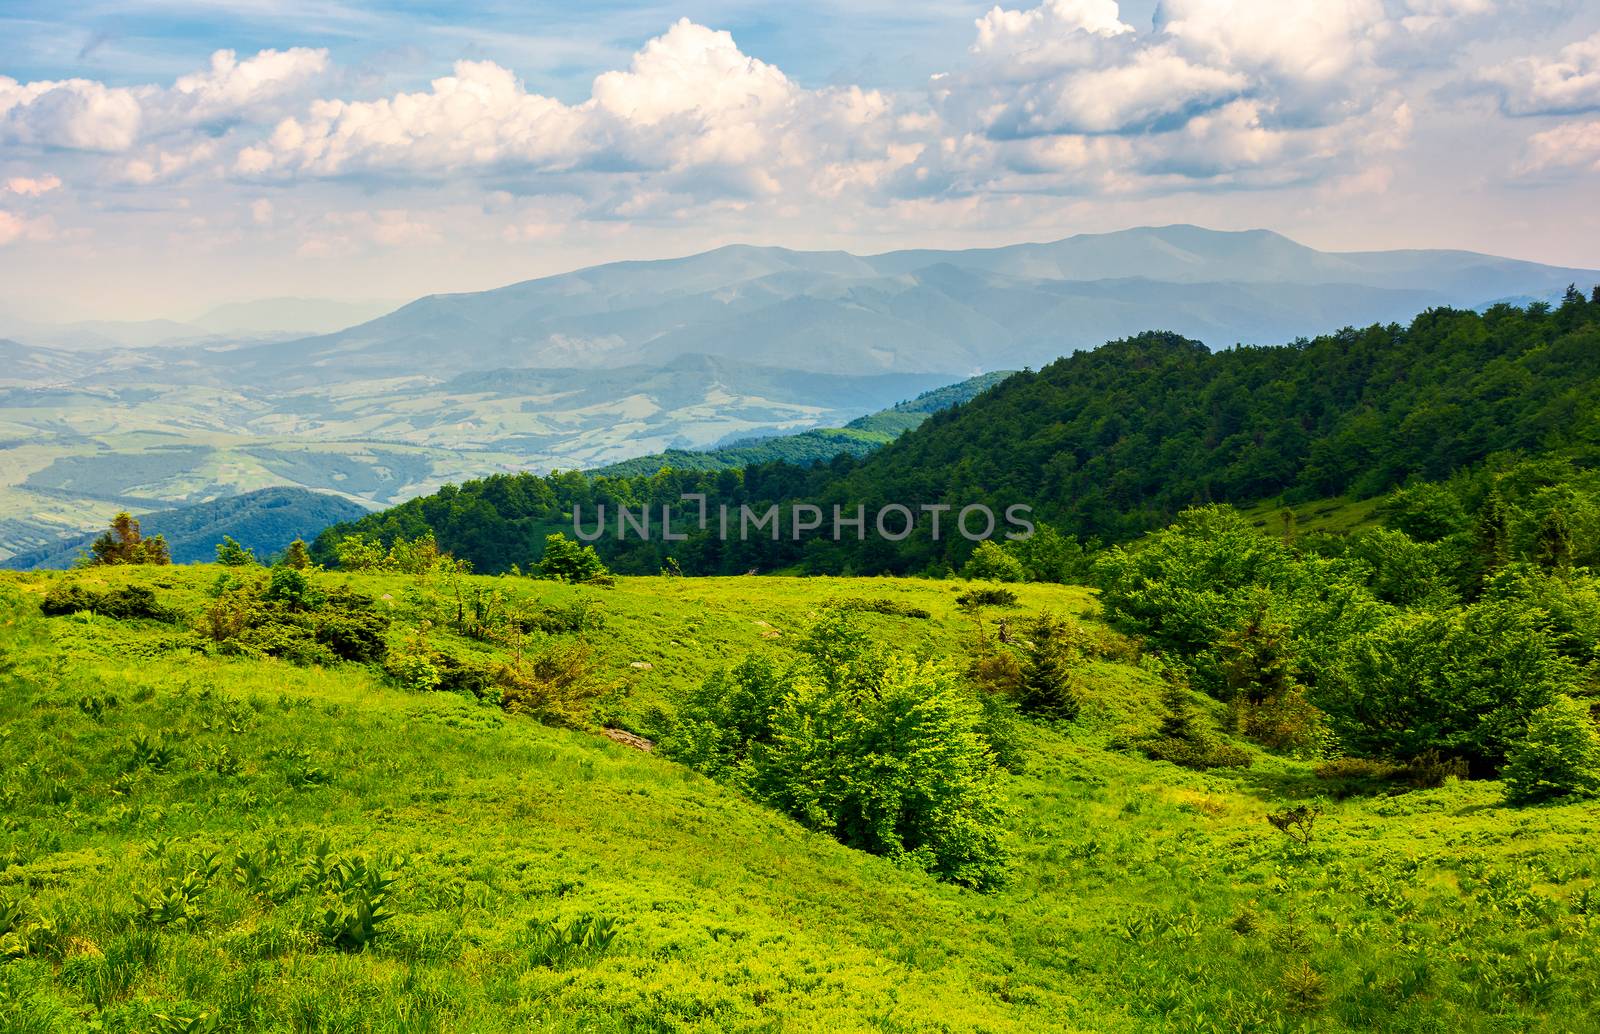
(618, 361)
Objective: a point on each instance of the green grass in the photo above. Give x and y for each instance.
(1146, 897)
(1330, 516)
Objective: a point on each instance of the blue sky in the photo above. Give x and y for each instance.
(180, 154)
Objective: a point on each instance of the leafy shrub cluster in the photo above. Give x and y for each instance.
(975, 599)
(1427, 655)
(565, 561)
(130, 601)
(886, 753)
(288, 615)
(879, 605)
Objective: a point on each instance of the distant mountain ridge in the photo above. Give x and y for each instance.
(913, 311)
(265, 521)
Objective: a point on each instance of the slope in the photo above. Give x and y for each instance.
(168, 826)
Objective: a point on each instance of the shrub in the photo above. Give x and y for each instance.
(291, 588)
(886, 754)
(231, 554)
(297, 556)
(722, 720)
(565, 560)
(1461, 682)
(1297, 823)
(576, 616)
(551, 685)
(879, 605)
(130, 601)
(1289, 723)
(1557, 756)
(414, 671)
(1348, 776)
(976, 598)
(991, 563)
(1183, 741)
(123, 544)
(904, 771)
(291, 618)
(1431, 769)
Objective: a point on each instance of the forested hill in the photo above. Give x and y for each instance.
(857, 438)
(1114, 442)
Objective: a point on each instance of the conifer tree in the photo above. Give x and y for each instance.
(1046, 680)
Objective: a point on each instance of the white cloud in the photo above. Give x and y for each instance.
(15, 228)
(76, 114)
(84, 115)
(1572, 146)
(33, 186)
(232, 89)
(691, 110)
(261, 211)
(1567, 84)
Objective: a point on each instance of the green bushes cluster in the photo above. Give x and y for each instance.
(1429, 655)
(129, 601)
(886, 753)
(880, 605)
(288, 615)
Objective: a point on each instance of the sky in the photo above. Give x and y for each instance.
(160, 158)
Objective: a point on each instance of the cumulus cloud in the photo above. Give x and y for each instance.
(1567, 84)
(691, 110)
(75, 114)
(84, 115)
(1570, 147)
(1064, 98)
(33, 186)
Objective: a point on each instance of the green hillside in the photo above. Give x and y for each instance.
(1109, 444)
(857, 438)
(189, 843)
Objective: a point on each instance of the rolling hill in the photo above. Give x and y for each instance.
(265, 521)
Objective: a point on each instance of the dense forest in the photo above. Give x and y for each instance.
(1106, 445)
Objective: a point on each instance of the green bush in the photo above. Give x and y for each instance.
(565, 560)
(1460, 682)
(879, 605)
(976, 598)
(991, 563)
(885, 753)
(1557, 756)
(904, 771)
(129, 601)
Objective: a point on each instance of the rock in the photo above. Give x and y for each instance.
(642, 665)
(628, 739)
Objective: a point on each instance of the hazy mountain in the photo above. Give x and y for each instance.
(101, 335)
(289, 316)
(265, 521)
(22, 364)
(925, 311)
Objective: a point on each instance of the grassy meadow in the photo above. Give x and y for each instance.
(191, 841)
